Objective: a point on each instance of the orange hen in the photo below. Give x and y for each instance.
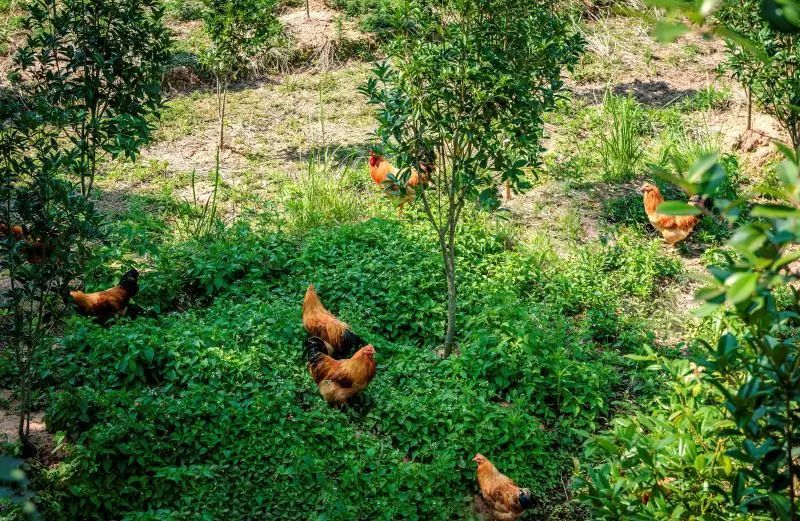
(380, 169)
(113, 301)
(673, 228)
(504, 499)
(321, 323)
(339, 380)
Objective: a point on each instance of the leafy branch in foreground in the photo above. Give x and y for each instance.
(750, 371)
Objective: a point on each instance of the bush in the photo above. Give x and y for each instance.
(767, 65)
(211, 411)
(665, 462)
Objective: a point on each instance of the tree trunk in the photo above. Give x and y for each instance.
(222, 93)
(450, 273)
(790, 455)
(449, 252)
(749, 108)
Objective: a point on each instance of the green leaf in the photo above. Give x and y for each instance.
(748, 238)
(666, 32)
(741, 286)
(701, 166)
(677, 208)
(774, 211)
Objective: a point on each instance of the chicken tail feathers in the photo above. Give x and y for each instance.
(351, 342)
(316, 349)
(700, 202)
(525, 498)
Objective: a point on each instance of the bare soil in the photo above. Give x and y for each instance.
(9, 430)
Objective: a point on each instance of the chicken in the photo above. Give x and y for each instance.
(35, 250)
(17, 231)
(339, 380)
(321, 323)
(380, 169)
(113, 301)
(504, 500)
(673, 228)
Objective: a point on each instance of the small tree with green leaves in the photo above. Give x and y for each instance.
(463, 91)
(55, 223)
(240, 31)
(99, 64)
(766, 64)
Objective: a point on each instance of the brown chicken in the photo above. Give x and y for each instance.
(17, 231)
(674, 228)
(380, 169)
(339, 380)
(113, 301)
(321, 323)
(504, 500)
(35, 251)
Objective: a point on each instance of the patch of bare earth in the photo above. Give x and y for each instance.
(272, 128)
(655, 74)
(320, 31)
(41, 439)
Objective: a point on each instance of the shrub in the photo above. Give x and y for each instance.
(767, 65)
(240, 30)
(668, 461)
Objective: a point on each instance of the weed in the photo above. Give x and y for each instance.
(323, 196)
(709, 98)
(622, 144)
(198, 219)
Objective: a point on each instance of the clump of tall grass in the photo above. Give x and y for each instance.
(326, 194)
(622, 141)
(197, 219)
(682, 148)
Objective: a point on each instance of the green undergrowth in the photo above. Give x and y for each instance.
(201, 407)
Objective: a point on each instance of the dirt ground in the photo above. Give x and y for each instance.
(9, 429)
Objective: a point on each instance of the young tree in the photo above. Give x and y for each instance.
(240, 30)
(465, 87)
(53, 224)
(768, 66)
(99, 63)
